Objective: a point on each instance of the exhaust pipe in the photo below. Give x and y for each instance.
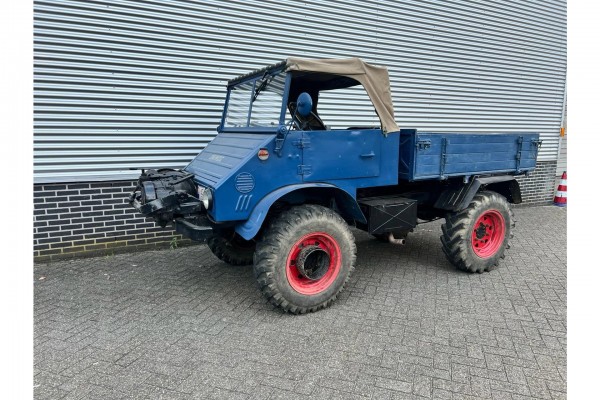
(393, 240)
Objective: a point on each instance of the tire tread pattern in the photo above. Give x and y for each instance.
(226, 252)
(278, 234)
(456, 235)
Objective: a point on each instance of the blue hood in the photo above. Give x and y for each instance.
(239, 179)
(224, 155)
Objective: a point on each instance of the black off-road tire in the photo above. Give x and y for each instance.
(458, 242)
(289, 232)
(234, 250)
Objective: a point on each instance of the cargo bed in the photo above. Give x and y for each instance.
(427, 155)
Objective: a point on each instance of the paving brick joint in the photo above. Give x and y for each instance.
(180, 324)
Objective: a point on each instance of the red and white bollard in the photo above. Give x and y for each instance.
(560, 199)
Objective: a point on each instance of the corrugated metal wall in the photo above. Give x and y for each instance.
(122, 84)
(561, 166)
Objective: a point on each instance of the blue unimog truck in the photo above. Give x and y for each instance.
(278, 188)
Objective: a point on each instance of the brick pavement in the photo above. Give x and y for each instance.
(179, 324)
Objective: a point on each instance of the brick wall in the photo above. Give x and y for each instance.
(539, 187)
(76, 219)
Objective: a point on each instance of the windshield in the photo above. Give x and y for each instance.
(256, 103)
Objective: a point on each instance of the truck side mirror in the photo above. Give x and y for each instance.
(304, 104)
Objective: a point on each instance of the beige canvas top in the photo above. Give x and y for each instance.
(374, 79)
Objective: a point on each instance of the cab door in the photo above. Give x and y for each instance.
(340, 154)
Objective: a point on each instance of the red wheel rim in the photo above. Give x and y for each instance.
(488, 234)
(313, 263)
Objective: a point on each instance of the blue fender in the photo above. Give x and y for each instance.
(346, 202)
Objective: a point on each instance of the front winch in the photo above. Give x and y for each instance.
(165, 194)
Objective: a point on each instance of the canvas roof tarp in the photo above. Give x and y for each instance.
(374, 79)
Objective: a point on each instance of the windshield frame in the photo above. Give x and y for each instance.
(253, 79)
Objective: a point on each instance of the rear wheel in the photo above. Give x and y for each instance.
(304, 259)
(475, 238)
(232, 248)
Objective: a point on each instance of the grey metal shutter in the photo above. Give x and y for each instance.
(122, 84)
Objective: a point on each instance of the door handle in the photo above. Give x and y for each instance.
(368, 155)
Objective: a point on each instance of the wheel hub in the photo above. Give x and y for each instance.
(488, 234)
(312, 262)
(481, 231)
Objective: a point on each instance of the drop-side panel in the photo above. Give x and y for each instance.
(443, 155)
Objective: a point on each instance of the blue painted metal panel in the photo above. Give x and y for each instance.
(341, 154)
(250, 227)
(351, 159)
(230, 163)
(442, 155)
(223, 155)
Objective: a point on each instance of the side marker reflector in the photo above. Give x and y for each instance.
(263, 154)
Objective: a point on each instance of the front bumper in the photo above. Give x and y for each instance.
(198, 229)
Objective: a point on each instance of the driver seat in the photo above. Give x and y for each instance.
(312, 122)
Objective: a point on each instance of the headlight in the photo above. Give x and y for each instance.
(148, 192)
(206, 197)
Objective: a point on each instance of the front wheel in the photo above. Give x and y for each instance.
(232, 248)
(304, 259)
(475, 238)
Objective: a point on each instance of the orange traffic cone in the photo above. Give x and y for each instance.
(561, 193)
